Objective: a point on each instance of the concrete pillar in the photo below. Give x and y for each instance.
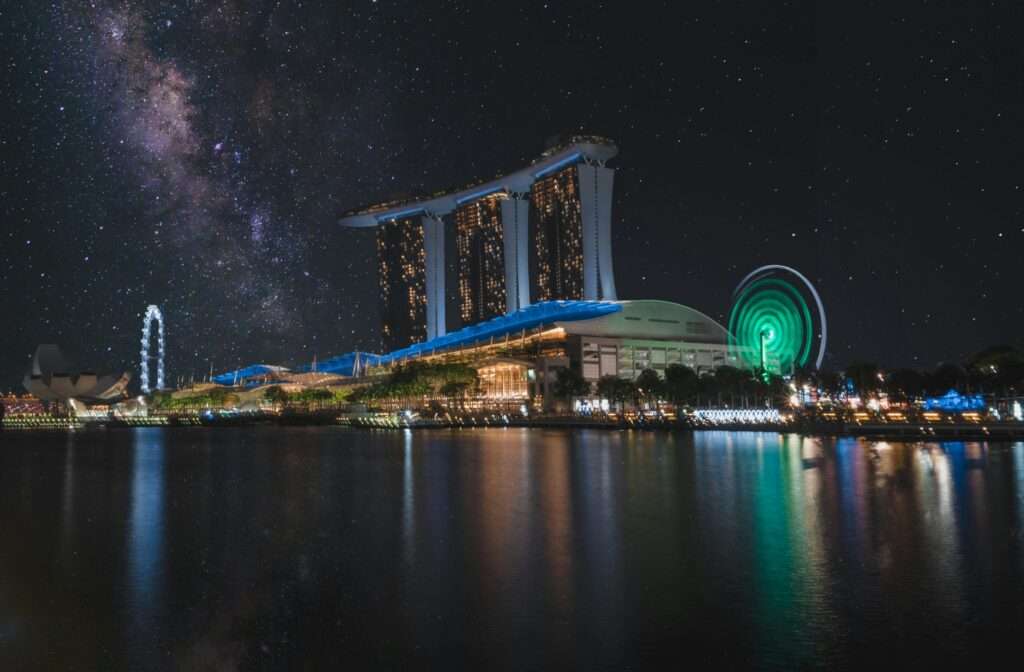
(515, 225)
(433, 249)
(596, 184)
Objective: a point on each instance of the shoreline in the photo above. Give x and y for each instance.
(1009, 431)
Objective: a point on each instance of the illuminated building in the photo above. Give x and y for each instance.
(402, 278)
(517, 355)
(152, 313)
(481, 259)
(53, 378)
(568, 190)
(953, 401)
(558, 236)
(772, 319)
(503, 380)
(523, 350)
(571, 210)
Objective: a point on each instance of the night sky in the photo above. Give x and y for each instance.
(196, 155)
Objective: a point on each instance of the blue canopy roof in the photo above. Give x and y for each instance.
(342, 365)
(535, 315)
(239, 375)
(545, 312)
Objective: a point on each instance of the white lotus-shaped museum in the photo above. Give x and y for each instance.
(52, 378)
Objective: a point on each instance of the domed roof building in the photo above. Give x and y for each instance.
(53, 378)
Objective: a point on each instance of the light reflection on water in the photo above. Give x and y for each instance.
(504, 548)
(408, 501)
(1018, 470)
(145, 547)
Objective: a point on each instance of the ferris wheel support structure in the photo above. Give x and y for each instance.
(753, 283)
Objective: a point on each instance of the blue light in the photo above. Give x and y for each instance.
(478, 194)
(342, 365)
(399, 215)
(953, 401)
(534, 315)
(573, 158)
(239, 376)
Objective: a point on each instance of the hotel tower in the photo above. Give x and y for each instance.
(549, 222)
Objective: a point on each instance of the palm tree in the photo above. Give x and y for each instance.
(680, 383)
(864, 376)
(615, 389)
(729, 381)
(998, 369)
(569, 383)
(904, 384)
(649, 385)
(947, 377)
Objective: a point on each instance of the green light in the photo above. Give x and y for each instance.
(770, 325)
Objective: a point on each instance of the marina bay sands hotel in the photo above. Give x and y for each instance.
(540, 233)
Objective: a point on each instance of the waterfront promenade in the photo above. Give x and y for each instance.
(946, 429)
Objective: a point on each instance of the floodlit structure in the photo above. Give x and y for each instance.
(518, 354)
(600, 338)
(152, 314)
(953, 402)
(562, 202)
(481, 259)
(53, 378)
(261, 373)
(402, 278)
(777, 321)
(325, 373)
(648, 335)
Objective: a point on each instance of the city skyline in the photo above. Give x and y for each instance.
(198, 160)
(457, 334)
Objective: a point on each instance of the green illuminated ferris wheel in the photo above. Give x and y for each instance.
(777, 321)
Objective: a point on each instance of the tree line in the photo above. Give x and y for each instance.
(681, 385)
(997, 370)
(411, 383)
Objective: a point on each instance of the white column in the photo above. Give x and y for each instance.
(433, 249)
(596, 184)
(515, 218)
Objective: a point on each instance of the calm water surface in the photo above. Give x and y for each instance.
(517, 549)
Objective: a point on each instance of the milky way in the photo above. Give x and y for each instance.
(198, 206)
(209, 153)
(197, 154)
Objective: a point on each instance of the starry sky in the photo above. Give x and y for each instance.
(196, 155)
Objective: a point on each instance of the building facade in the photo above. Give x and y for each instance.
(557, 210)
(598, 338)
(402, 271)
(648, 335)
(517, 356)
(557, 226)
(481, 259)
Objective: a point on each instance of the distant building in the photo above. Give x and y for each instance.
(517, 355)
(54, 378)
(568, 194)
(481, 259)
(557, 223)
(402, 278)
(521, 351)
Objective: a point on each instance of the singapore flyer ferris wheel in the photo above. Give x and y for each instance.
(777, 321)
(152, 313)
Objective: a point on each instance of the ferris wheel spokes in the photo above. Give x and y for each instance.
(152, 313)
